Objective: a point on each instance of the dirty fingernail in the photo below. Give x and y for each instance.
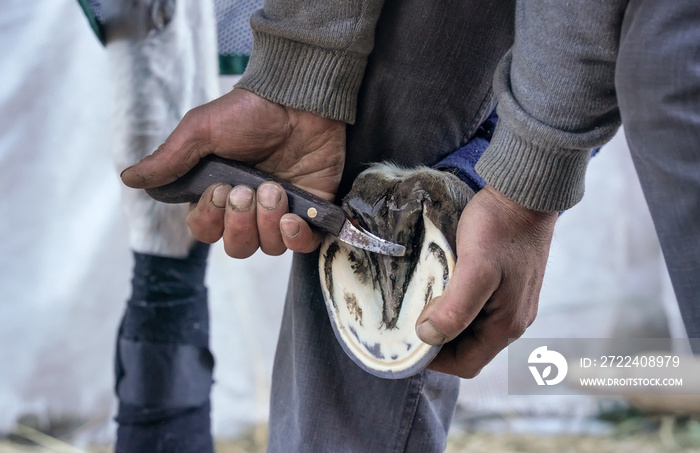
(218, 198)
(290, 228)
(241, 198)
(269, 196)
(430, 334)
(128, 168)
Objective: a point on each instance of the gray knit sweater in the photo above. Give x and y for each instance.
(555, 88)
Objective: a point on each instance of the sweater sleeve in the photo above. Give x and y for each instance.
(556, 100)
(311, 55)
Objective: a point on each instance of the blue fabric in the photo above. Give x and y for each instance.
(463, 161)
(465, 158)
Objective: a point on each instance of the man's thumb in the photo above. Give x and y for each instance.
(446, 316)
(179, 154)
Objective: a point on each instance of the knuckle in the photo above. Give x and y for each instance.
(530, 319)
(486, 271)
(469, 373)
(191, 115)
(271, 242)
(304, 244)
(193, 221)
(240, 239)
(516, 328)
(193, 229)
(201, 232)
(457, 317)
(268, 222)
(275, 250)
(240, 231)
(234, 250)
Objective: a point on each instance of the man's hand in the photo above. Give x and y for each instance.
(502, 251)
(299, 147)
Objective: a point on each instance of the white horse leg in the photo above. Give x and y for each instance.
(156, 80)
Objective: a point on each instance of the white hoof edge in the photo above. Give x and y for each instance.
(355, 305)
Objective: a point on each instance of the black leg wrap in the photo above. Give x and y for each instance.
(164, 431)
(163, 363)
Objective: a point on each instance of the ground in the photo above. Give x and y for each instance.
(634, 433)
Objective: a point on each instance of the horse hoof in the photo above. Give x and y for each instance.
(374, 300)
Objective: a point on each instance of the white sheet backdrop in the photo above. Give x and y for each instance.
(65, 263)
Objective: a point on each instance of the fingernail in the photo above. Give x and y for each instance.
(430, 334)
(124, 171)
(290, 228)
(269, 196)
(218, 198)
(241, 198)
(132, 166)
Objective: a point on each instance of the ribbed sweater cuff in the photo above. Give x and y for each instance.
(540, 179)
(304, 77)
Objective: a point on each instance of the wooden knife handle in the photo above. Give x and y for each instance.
(213, 169)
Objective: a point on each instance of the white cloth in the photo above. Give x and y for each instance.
(65, 260)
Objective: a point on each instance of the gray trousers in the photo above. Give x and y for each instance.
(423, 96)
(658, 88)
